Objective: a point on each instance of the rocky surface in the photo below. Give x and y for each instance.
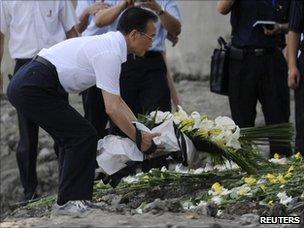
(195, 95)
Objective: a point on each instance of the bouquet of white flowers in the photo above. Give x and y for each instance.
(222, 138)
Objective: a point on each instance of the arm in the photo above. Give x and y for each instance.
(108, 16)
(170, 23)
(277, 29)
(90, 10)
(293, 47)
(122, 116)
(72, 33)
(224, 6)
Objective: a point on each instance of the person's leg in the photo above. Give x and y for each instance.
(154, 92)
(274, 96)
(243, 77)
(94, 109)
(26, 153)
(299, 109)
(34, 93)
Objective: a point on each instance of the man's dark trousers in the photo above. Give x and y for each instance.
(260, 77)
(144, 85)
(94, 110)
(299, 110)
(36, 93)
(27, 147)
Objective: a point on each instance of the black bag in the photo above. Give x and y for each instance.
(219, 75)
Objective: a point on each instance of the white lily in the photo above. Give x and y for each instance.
(159, 116)
(197, 119)
(206, 124)
(131, 179)
(225, 122)
(284, 199)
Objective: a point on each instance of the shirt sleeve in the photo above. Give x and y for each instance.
(172, 8)
(67, 15)
(107, 68)
(5, 18)
(296, 19)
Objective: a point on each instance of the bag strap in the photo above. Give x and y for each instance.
(222, 43)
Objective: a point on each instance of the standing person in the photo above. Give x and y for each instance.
(296, 67)
(31, 26)
(87, 11)
(93, 104)
(258, 69)
(144, 82)
(149, 88)
(37, 90)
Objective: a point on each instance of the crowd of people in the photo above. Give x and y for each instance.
(113, 53)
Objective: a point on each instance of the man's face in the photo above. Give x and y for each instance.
(143, 40)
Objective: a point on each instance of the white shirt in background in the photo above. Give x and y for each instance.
(33, 25)
(85, 61)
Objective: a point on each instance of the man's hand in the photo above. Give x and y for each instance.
(277, 29)
(294, 78)
(146, 141)
(172, 39)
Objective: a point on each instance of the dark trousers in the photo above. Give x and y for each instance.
(94, 109)
(27, 147)
(299, 108)
(260, 78)
(36, 93)
(144, 88)
(144, 85)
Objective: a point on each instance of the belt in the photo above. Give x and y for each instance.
(255, 52)
(45, 62)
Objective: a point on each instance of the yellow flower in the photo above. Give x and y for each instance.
(217, 188)
(215, 131)
(281, 179)
(263, 187)
(288, 175)
(298, 156)
(243, 191)
(250, 180)
(270, 203)
(202, 133)
(271, 178)
(276, 156)
(291, 169)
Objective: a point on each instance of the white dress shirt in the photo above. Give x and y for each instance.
(85, 61)
(33, 25)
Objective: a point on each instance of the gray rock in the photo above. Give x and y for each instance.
(5, 150)
(156, 206)
(247, 219)
(45, 155)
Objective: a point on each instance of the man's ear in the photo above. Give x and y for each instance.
(133, 34)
